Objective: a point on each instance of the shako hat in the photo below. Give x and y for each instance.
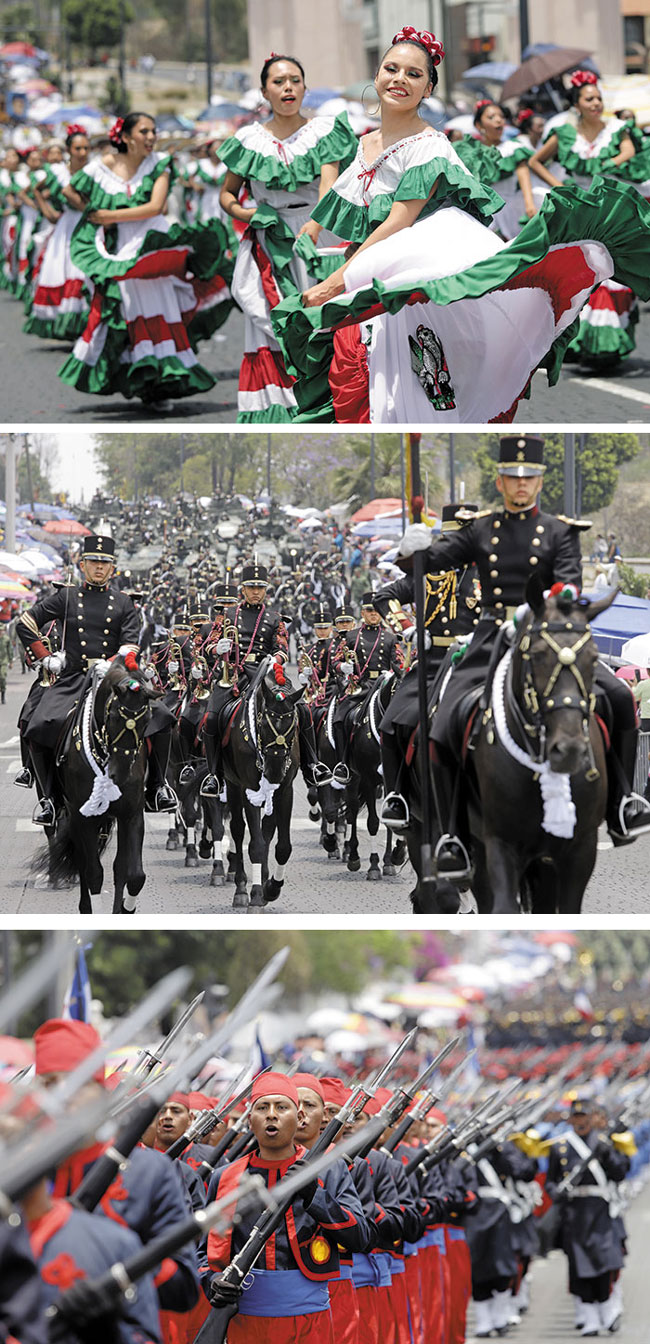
(323, 615)
(521, 455)
(96, 547)
(345, 614)
(254, 572)
(368, 599)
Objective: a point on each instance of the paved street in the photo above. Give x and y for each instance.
(314, 885)
(31, 393)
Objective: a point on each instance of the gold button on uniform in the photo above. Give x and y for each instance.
(534, 560)
(493, 559)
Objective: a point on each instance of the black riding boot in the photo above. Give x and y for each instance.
(159, 797)
(341, 772)
(213, 782)
(314, 772)
(628, 813)
(43, 767)
(394, 811)
(451, 857)
(25, 777)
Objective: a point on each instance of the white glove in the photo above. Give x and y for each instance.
(303, 678)
(55, 662)
(416, 538)
(224, 646)
(100, 668)
(347, 668)
(172, 666)
(197, 672)
(149, 673)
(409, 633)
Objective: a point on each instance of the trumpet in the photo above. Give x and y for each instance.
(177, 680)
(229, 631)
(47, 678)
(201, 688)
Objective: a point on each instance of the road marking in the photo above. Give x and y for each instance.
(25, 824)
(13, 765)
(11, 741)
(602, 385)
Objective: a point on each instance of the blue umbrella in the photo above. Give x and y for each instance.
(314, 97)
(58, 114)
(497, 71)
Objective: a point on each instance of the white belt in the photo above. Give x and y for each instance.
(590, 1192)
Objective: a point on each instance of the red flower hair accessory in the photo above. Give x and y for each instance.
(482, 102)
(74, 129)
(273, 56)
(115, 133)
(525, 115)
(427, 40)
(583, 77)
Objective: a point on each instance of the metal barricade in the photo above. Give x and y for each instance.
(642, 763)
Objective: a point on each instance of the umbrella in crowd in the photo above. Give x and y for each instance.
(542, 67)
(68, 527)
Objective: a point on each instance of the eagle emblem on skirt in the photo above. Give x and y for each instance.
(431, 369)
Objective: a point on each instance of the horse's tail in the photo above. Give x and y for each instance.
(59, 858)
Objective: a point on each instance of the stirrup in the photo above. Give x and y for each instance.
(163, 800)
(448, 863)
(209, 787)
(340, 776)
(24, 779)
(402, 817)
(321, 774)
(44, 813)
(187, 774)
(636, 824)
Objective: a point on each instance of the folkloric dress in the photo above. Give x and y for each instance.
(8, 188)
(496, 166)
(139, 337)
(62, 294)
(453, 321)
(204, 206)
(27, 223)
(283, 178)
(608, 319)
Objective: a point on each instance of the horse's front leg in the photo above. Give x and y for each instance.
(504, 875)
(91, 873)
(240, 898)
(127, 868)
(257, 852)
(283, 806)
(374, 871)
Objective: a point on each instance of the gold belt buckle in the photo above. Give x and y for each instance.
(373, 675)
(250, 658)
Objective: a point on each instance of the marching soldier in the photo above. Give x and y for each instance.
(508, 545)
(362, 656)
(590, 1237)
(97, 621)
(453, 607)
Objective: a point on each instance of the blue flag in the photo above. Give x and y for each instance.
(78, 997)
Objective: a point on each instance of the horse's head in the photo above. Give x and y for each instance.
(277, 722)
(554, 660)
(122, 712)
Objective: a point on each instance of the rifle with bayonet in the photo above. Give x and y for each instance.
(429, 1099)
(207, 1121)
(451, 1139)
(103, 1172)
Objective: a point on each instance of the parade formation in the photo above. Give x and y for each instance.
(526, 223)
(206, 690)
(168, 1194)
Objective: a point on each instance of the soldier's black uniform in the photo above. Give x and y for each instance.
(371, 649)
(590, 1235)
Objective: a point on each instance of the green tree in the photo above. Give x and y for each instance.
(97, 25)
(598, 460)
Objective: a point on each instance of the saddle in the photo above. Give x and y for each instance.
(71, 721)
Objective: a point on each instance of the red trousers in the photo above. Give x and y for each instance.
(313, 1329)
(414, 1290)
(368, 1325)
(344, 1311)
(434, 1274)
(460, 1273)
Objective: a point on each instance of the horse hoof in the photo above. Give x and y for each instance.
(329, 843)
(217, 876)
(124, 910)
(354, 865)
(373, 875)
(272, 889)
(205, 849)
(240, 900)
(346, 850)
(172, 843)
(390, 870)
(257, 901)
(334, 854)
(191, 858)
(314, 814)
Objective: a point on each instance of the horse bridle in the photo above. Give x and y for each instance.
(566, 656)
(281, 740)
(131, 721)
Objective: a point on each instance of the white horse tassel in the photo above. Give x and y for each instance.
(104, 791)
(263, 796)
(559, 808)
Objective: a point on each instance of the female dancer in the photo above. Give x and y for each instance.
(453, 321)
(288, 163)
(28, 178)
(203, 181)
(531, 127)
(9, 187)
(584, 149)
(138, 338)
(500, 164)
(61, 301)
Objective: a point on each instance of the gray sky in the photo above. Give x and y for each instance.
(72, 465)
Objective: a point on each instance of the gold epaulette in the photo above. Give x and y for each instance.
(624, 1142)
(528, 1142)
(27, 620)
(465, 516)
(583, 523)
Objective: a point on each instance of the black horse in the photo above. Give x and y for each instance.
(366, 782)
(101, 779)
(538, 780)
(261, 756)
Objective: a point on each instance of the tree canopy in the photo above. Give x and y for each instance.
(598, 460)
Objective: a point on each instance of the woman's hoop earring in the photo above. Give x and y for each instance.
(370, 112)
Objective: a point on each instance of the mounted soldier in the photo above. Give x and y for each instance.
(97, 621)
(453, 608)
(364, 653)
(508, 545)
